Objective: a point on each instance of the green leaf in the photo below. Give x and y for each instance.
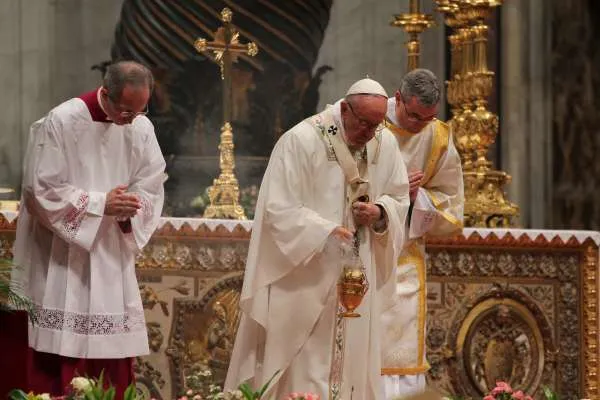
(89, 395)
(130, 392)
(549, 393)
(266, 385)
(11, 298)
(17, 394)
(246, 391)
(109, 394)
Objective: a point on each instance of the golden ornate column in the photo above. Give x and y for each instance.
(413, 23)
(474, 126)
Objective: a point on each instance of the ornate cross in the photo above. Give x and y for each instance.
(224, 50)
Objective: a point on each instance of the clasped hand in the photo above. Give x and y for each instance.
(414, 180)
(365, 214)
(119, 203)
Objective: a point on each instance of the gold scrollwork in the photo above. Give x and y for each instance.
(590, 320)
(500, 339)
(204, 331)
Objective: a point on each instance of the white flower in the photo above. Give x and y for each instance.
(238, 395)
(81, 384)
(44, 396)
(206, 372)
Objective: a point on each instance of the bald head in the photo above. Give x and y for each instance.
(126, 73)
(126, 90)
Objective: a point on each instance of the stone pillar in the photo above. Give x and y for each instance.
(47, 48)
(526, 124)
(359, 40)
(10, 80)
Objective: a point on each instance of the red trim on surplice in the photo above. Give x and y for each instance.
(91, 101)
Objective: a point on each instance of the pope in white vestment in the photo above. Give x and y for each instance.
(75, 250)
(437, 202)
(289, 302)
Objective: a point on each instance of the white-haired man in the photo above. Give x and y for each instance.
(334, 177)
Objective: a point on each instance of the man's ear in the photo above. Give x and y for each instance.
(344, 106)
(398, 96)
(103, 91)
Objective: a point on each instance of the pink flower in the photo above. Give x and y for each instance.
(489, 397)
(528, 398)
(501, 387)
(518, 395)
(311, 396)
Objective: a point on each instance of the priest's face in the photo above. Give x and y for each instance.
(132, 103)
(361, 116)
(412, 115)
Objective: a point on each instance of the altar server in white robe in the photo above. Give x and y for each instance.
(92, 195)
(307, 206)
(436, 194)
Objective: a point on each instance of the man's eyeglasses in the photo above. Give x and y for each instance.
(414, 116)
(363, 122)
(127, 114)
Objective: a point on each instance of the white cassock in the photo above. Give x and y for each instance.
(75, 263)
(437, 211)
(289, 299)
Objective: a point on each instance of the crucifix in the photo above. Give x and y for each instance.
(224, 50)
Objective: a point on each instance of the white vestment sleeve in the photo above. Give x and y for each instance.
(388, 246)
(72, 213)
(298, 231)
(147, 183)
(441, 212)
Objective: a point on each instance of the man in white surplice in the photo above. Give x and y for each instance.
(306, 207)
(436, 193)
(92, 196)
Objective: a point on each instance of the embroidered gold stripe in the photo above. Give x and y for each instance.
(447, 216)
(415, 256)
(406, 371)
(439, 145)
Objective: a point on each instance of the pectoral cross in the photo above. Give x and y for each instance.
(224, 50)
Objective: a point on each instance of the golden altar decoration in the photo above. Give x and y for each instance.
(475, 127)
(224, 194)
(517, 305)
(413, 23)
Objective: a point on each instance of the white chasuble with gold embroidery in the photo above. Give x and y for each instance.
(289, 298)
(437, 210)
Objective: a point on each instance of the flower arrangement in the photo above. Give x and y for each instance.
(503, 391)
(302, 396)
(200, 386)
(80, 389)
